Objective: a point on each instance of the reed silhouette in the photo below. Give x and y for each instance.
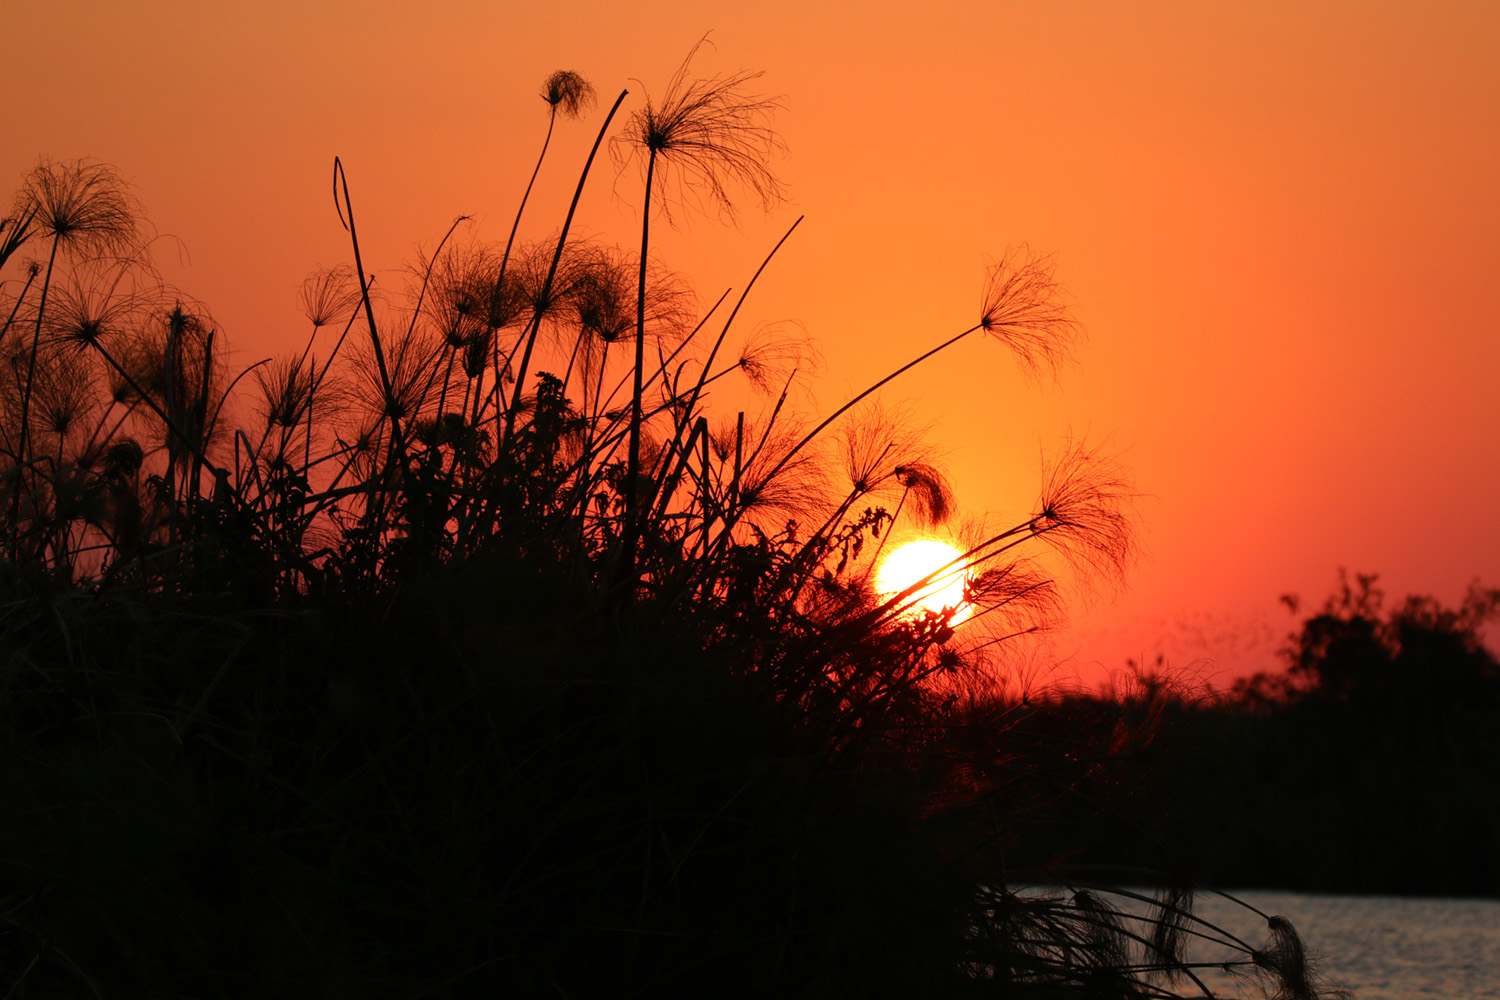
(481, 654)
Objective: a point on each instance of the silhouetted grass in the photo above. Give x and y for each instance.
(481, 656)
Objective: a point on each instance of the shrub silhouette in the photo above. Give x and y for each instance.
(1420, 654)
(447, 673)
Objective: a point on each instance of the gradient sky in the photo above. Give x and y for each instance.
(1279, 221)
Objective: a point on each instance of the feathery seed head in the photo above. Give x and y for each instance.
(14, 232)
(1086, 512)
(330, 295)
(411, 367)
(770, 357)
(460, 291)
(604, 299)
(1017, 597)
(84, 206)
(63, 394)
(531, 264)
(711, 135)
(100, 300)
(1022, 306)
(876, 441)
(285, 391)
(799, 489)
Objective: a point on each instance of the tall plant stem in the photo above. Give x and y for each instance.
(21, 462)
(375, 504)
(36, 341)
(510, 242)
(346, 215)
(5, 443)
(633, 454)
(534, 327)
(895, 515)
(703, 376)
(31, 277)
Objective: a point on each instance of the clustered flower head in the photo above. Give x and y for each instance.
(568, 92)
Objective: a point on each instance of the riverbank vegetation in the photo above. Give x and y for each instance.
(466, 648)
(1367, 765)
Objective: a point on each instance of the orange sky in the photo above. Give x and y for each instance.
(1280, 223)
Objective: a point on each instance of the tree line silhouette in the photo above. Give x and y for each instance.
(1368, 765)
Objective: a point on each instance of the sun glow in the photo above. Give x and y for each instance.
(916, 560)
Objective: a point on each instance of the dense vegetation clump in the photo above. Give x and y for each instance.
(476, 653)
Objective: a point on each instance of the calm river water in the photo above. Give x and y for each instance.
(1388, 948)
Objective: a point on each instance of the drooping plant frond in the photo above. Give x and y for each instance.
(1286, 971)
(929, 495)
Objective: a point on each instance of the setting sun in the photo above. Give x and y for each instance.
(916, 560)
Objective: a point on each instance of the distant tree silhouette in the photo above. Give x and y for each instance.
(1368, 765)
(1421, 653)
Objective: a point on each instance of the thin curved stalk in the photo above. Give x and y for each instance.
(703, 377)
(510, 242)
(633, 453)
(534, 327)
(36, 340)
(808, 438)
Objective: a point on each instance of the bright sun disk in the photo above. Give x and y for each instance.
(915, 560)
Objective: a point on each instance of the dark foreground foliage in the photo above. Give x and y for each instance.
(481, 657)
